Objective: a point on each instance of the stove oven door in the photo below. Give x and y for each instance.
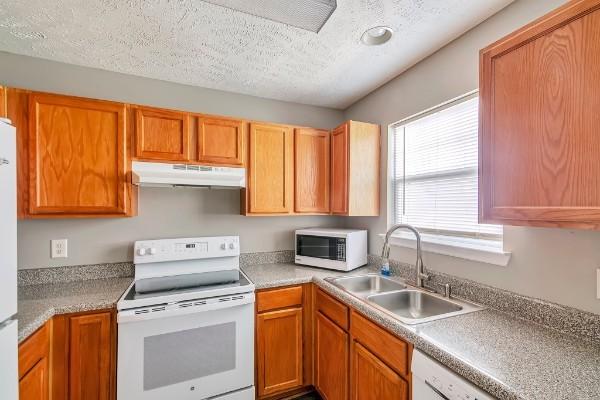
(189, 350)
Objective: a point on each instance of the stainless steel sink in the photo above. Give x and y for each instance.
(366, 285)
(406, 303)
(415, 306)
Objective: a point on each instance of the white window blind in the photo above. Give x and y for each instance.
(434, 171)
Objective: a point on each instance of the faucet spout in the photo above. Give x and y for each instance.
(420, 274)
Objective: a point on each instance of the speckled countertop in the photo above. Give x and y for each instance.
(38, 303)
(508, 357)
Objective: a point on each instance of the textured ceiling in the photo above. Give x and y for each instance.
(202, 44)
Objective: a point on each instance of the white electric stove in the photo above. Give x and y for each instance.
(186, 323)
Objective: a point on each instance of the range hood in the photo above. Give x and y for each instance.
(175, 175)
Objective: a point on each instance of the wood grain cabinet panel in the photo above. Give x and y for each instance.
(331, 359)
(91, 357)
(77, 157)
(355, 164)
(34, 365)
(270, 169)
(332, 309)
(279, 351)
(268, 300)
(539, 141)
(339, 170)
(393, 351)
(34, 385)
(372, 379)
(220, 141)
(162, 135)
(2, 101)
(311, 170)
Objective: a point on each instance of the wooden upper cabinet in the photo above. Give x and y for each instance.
(77, 157)
(311, 170)
(162, 135)
(270, 169)
(220, 141)
(339, 170)
(539, 119)
(355, 164)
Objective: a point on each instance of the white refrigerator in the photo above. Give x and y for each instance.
(8, 262)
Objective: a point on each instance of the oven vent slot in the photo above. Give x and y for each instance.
(237, 297)
(156, 309)
(221, 300)
(144, 311)
(185, 305)
(200, 303)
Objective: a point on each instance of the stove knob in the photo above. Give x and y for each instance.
(223, 246)
(141, 251)
(232, 246)
(152, 250)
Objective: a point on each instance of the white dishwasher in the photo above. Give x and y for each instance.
(433, 381)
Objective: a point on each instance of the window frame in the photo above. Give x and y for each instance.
(486, 248)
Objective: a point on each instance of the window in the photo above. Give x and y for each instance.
(434, 171)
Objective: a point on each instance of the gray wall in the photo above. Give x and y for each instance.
(553, 264)
(163, 212)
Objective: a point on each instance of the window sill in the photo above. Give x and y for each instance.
(485, 251)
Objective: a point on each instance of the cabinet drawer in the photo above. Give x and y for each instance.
(333, 309)
(34, 349)
(390, 349)
(279, 298)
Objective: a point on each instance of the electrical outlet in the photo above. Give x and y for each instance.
(59, 248)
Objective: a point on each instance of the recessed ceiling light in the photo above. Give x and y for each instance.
(377, 35)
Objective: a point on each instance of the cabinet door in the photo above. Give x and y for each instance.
(279, 351)
(77, 156)
(2, 101)
(339, 169)
(539, 141)
(91, 364)
(311, 170)
(372, 379)
(34, 384)
(331, 359)
(270, 169)
(220, 141)
(34, 365)
(161, 135)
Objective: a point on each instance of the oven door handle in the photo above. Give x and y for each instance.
(184, 308)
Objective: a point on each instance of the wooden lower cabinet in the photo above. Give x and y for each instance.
(372, 379)
(34, 384)
(91, 359)
(279, 347)
(355, 358)
(331, 359)
(34, 365)
(72, 357)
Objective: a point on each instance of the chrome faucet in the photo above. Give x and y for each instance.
(421, 276)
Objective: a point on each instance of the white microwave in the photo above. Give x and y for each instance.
(339, 249)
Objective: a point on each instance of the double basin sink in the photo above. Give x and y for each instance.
(406, 303)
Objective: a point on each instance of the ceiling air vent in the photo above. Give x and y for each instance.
(309, 15)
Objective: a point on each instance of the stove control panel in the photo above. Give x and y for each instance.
(160, 250)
